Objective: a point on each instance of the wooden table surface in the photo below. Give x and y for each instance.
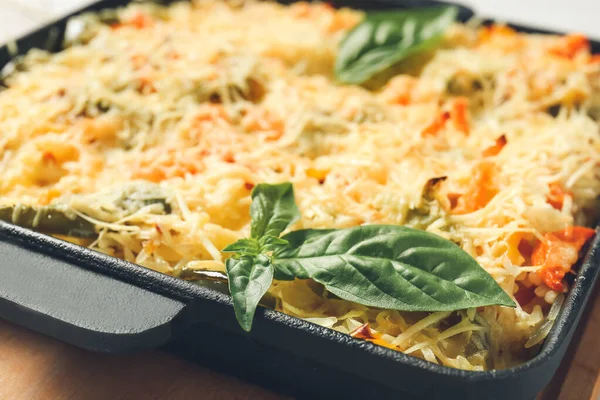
(34, 367)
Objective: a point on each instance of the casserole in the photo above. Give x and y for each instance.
(294, 341)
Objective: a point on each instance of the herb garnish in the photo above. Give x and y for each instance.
(386, 266)
(383, 39)
(250, 271)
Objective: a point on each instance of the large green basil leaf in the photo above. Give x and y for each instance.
(389, 266)
(249, 279)
(273, 209)
(385, 38)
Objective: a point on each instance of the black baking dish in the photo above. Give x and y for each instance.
(105, 304)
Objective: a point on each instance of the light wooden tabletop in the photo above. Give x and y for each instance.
(35, 367)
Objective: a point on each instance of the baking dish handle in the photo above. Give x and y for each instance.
(66, 300)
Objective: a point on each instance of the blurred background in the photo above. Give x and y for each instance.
(20, 16)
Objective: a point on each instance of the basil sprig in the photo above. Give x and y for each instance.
(383, 39)
(250, 271)
(385, 266)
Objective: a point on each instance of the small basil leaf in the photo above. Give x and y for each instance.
(273, 209)
(383, 39)
(391, 267)
(271, 243)
(249, 247)
(249, 279)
